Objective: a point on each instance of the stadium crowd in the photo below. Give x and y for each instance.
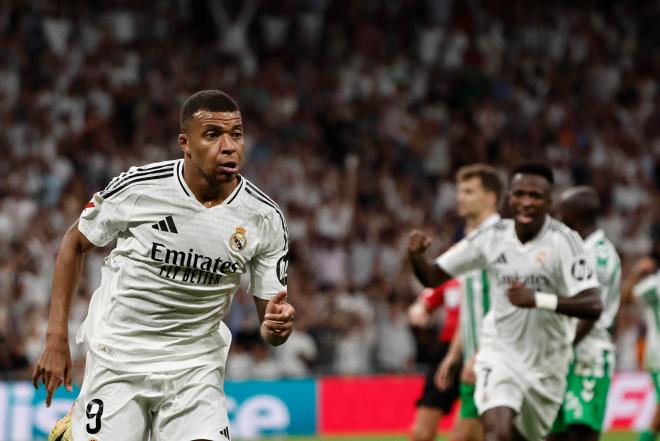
(357, 115)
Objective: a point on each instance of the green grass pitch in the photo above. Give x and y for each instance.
(613, 436)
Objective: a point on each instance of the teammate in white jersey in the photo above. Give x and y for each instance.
(478, 192)
(186, 230)
(541, 275)
(581, 415)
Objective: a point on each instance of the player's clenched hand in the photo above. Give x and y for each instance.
(444, 376)
(278, 319)
(418, 314)
(521, 296)
(418, 242)
(53, 367)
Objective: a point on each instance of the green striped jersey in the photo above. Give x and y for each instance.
(475, 301)
(648, 291)
(607, 265)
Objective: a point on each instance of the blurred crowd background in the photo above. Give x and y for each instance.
(357, 115)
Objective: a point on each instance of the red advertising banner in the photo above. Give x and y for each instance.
(369, 404)
(386, 404)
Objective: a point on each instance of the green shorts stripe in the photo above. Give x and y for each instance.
(655, 376)
(468, 406)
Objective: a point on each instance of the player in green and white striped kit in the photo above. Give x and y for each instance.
(475, 304)
(642, 285)
(583, 410)
(479, 189)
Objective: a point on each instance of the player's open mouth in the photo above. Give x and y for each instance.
(525, 218)
(228, 167)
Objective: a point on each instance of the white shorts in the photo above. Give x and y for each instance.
(172, 406)
(535, 397)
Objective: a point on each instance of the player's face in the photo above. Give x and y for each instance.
(529, 199)
(471, 198)
(215, 144)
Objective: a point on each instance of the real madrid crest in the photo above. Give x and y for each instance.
(238, 240)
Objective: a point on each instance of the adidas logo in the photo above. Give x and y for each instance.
(225, 432)
(500, 260)
(166, 225)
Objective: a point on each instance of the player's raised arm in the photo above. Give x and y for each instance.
(54, 365)
(428, 273)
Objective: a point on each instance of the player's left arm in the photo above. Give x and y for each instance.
(586, 304)
(268, 280)
(584, 326)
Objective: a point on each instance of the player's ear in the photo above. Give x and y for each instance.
(183, 143)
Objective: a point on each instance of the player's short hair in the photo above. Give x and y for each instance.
(209, 100)
(489, 176)
(585, 200)
(535, 168)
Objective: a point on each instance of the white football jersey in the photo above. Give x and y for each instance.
(607, 264)
(647, 291)
(553, 262)
(176, 267)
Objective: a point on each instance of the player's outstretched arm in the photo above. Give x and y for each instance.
(276, 316)
(585, 304)
(428, 273)
(54, 365)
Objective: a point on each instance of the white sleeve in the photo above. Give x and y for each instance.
(268, 268)
(103, 219)
(576, 267)
(464, 256)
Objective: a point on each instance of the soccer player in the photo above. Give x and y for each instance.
(581, 415)
(540, 275)
(643, 285)
(478, 191)
(186, 230)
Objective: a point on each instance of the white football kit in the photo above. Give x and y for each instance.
(524, 353)
(156, 358)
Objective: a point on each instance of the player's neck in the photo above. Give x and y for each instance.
(208, 193)
(585, 230)
(527, 232)
(472, 222)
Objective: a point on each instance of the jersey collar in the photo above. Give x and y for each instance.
(593, 238)
(189, 193)
(182, 182)
(490, 220)
(544, 229)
